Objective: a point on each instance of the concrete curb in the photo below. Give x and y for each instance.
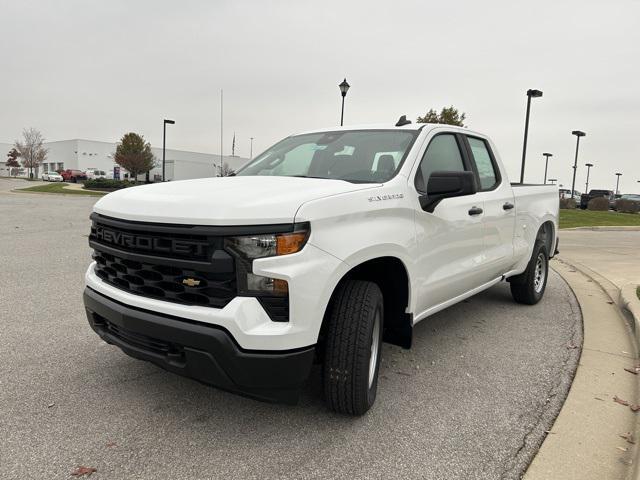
(21, 191)
(584, 442)
(631, 303)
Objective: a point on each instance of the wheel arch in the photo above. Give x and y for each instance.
(547, 233)
(392, 277)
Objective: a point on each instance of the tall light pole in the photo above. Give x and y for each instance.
(530, 94)
(586, 187)
(578, 134)
(553, 181)
(164, 135)
(344, 88)
(546, 164)
(618, 183)
(251, 149)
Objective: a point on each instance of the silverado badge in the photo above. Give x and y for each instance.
(191, 282)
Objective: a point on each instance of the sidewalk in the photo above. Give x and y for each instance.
(586, 440)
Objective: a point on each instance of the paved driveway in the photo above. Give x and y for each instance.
(471, 400)
(614, 254)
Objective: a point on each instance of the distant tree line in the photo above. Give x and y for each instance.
(448, 116)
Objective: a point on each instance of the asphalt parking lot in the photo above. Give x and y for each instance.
(471, 400)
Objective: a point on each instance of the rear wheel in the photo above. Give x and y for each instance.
(353, 347)
(529, 286)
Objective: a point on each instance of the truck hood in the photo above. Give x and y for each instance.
(221, 201)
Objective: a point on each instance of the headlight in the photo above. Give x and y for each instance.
(250, 247)
(260, 246)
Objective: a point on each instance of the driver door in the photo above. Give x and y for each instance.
(450, 240)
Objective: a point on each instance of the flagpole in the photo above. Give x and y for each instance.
(221, 128)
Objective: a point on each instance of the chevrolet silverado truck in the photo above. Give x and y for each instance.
(317, 251)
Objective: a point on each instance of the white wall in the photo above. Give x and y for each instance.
(83, 154)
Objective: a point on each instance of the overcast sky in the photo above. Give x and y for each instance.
(95, 70)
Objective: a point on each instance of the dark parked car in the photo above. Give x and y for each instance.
(73, 175)
(629, 196)
(585, 198)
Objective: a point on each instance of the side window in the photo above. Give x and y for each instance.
(443, 154)
(482, 158)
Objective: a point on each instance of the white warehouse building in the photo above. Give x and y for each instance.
(81, 154)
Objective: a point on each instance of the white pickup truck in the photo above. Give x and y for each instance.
(318, 250)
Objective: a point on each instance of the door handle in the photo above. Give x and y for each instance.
(475, 211)
(507, 206)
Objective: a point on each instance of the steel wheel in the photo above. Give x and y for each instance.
(540, 273)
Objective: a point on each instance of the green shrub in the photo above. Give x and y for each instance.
(106, 184)
(600, 204)
(567, 203)
(628, 206)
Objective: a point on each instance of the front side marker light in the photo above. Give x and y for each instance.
(290, 242)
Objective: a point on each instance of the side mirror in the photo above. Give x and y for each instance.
(443, 185)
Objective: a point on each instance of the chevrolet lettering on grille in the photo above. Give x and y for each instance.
(150, 243)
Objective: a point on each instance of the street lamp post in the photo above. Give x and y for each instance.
(251, 149)
(530, 94)
(586, 187)
(164, 135)
(618, 183)
(546, 164)
(344, 88)
(578, 134)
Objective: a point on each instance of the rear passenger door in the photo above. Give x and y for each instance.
(499, 216)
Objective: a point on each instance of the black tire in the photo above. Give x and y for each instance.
(529, 286)
(349, 387)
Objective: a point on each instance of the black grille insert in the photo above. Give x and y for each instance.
(127, 258)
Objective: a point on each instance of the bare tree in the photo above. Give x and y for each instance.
(226, 170)
(31, 149)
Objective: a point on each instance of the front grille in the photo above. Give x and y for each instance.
(165, 282)
(163, 262)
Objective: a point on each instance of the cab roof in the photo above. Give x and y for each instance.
(386, 126)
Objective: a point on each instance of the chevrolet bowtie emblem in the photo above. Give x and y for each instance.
(191, 282)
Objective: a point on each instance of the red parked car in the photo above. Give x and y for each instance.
(73, 175)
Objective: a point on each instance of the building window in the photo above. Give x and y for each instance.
(60, 165)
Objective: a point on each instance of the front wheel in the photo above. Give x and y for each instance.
(529, 286)
(353, 347)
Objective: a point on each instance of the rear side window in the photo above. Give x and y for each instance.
(442, 154)
(484, 163)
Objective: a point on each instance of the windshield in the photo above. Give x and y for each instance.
(358, 156)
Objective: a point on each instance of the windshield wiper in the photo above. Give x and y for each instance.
(310, 176)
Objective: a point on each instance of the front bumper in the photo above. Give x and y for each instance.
(203, 352)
